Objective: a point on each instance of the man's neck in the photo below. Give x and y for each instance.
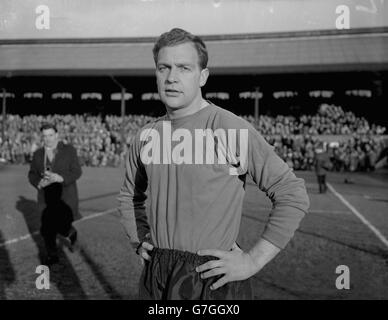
(180, 113)
(53, 147)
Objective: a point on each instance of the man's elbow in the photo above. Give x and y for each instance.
(76, 174)
(293, 195)
(301, 198)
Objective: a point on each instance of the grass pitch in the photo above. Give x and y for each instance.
(104, 266)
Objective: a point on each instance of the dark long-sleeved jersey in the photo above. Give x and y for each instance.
(195, 169)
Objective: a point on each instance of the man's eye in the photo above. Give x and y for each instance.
(162, 68)
(184, 68)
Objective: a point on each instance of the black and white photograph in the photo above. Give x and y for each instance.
(209, 150)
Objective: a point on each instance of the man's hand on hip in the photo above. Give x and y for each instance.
(142, 251)
(235, 265)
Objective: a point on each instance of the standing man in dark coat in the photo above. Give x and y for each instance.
(55, 162)
(322, 164)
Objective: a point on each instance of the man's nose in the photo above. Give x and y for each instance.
(172, 75)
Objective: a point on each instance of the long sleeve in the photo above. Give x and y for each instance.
(33, 174)
(75, 170)
(132, 197)
(287, 193)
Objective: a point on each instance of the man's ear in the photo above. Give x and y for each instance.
(203, 77)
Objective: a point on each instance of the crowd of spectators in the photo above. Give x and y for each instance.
(98, 140)
(356, 153)
(295, 139)
(329, 120)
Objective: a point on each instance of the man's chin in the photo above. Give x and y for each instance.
(173, 104)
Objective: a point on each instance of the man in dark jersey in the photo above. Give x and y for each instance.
(193, 163)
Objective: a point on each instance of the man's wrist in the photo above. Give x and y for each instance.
(138, 247)
(262, 253)
(258, 262)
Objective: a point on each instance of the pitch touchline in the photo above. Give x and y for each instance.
(95, 215)
(91, 216)
(359, 215)
(29, 235)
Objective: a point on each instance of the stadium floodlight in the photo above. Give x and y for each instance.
(62, 95)
(33, 95)
(7, 95)
(150, 96)
(91, 95)
(359, 93)
(250, 95)
(217, 95)
(321, 93)
(284, 94)
(117, 96)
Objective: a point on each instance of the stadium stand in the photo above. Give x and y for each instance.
(352, 142)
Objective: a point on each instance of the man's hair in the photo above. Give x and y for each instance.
(178, 36)
(47, 125)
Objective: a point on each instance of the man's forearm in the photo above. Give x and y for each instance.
(263, 252)
(133, 218)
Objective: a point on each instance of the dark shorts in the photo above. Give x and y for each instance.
(171, 275)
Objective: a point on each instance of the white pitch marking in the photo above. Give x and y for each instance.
(359, 215)
(95, 215)
(330, 211)
(29, 235)
(15, 240)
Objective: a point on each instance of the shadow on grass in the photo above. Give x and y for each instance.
(379, 253)
(63, 274)
(7, 272)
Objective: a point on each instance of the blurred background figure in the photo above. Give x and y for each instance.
(321, 165)
(56, 163)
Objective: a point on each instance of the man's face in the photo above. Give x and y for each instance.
(50, 138)
(179, 77)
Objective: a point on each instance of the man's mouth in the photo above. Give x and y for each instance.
(172, 92)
